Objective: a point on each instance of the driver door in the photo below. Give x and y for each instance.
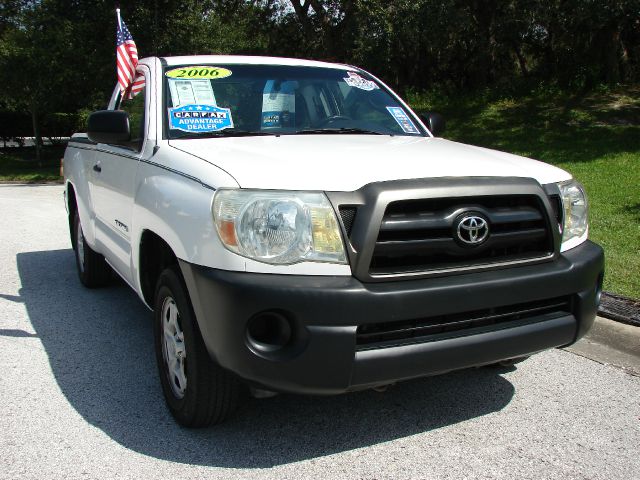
(114, 176)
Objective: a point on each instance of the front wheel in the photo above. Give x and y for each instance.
(198, 392)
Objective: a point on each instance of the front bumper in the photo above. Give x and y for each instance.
(323, 356)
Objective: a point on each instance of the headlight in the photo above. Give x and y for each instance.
(575, 226)
(278, 227)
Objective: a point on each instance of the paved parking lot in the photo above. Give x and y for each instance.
(80, 398)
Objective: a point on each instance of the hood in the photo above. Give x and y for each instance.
(348, 162)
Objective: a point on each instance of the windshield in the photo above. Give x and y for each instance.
(236, 100)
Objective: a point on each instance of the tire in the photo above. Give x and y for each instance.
(93, 270)
(197, 391)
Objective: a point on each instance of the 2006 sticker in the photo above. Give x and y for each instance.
(202, 72)
(200, 118)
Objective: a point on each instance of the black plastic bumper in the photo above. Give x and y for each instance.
(324, 312)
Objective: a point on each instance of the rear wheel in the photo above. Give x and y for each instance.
(198, 392)
(93, 270)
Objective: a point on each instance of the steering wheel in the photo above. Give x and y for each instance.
(333, 119)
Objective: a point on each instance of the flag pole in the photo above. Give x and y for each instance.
(119, 29)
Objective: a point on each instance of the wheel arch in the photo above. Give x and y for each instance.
(155, 255)
(72, 205)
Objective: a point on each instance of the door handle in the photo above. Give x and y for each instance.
(97, 167)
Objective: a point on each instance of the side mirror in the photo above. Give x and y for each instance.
(109, 126)
(434, 122)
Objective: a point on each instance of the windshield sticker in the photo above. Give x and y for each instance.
(403, 119)
(279, 104)
(202, 72)
(356, 81)
(200, 118)
(191, 92)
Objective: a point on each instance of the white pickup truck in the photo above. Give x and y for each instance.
(296, 227)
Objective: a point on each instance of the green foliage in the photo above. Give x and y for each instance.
(39, 67)
(59, 55)
(187, 27)
(20, 164)
(462, 44)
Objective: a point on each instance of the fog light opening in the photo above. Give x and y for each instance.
(269, 331)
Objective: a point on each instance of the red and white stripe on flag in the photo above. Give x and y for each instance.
(137, 86)
(127, 60)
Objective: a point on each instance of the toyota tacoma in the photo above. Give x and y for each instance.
(295, 227)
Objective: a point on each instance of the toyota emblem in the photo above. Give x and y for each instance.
(472, 229)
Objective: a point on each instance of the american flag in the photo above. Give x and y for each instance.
(127, 60)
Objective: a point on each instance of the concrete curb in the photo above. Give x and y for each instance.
(611, 343)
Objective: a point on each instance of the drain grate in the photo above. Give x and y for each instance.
(620, 308)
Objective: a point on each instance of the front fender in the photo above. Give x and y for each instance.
(178, 210)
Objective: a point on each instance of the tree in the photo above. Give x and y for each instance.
(39, 65)
(59, 55)
(326, 25)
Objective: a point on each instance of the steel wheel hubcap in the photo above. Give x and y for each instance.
(173, 347)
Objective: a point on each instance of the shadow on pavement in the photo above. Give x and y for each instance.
(10, 332)
(100, 348)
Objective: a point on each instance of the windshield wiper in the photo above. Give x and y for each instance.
(222, 133)
(250, 133)
(334, 131)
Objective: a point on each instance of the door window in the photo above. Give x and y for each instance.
(135, 107)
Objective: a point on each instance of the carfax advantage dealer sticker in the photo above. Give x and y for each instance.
(200, 118)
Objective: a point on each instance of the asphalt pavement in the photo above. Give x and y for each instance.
(80, 397)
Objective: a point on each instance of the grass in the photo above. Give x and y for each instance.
(19, 164)
(595, 137)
